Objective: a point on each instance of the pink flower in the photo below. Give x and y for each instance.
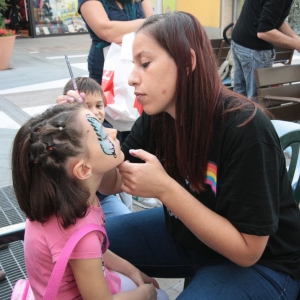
(7, 32)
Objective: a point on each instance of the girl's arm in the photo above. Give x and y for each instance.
(90, 279)
(118, 264)
(92, 284)
(111, 31)
(212, 229)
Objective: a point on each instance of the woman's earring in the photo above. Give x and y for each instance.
(91, 174)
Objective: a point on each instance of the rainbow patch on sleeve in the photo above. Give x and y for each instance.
(211, 176)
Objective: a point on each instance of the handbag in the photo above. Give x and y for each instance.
(121, 110)
(22, 289)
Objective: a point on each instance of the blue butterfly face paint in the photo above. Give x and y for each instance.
(106, 145)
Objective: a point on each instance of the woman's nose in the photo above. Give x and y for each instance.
(133, 78)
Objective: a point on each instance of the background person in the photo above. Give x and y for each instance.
(260, 25)
(108, 21)
(214, 159)
(58, 161)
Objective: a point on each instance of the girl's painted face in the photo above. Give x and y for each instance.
(106, 145)
(154, 76)
(102, 146)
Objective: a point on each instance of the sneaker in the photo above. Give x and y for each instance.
(126, 199)
(145, 202)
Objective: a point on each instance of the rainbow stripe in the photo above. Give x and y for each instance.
(211, 176)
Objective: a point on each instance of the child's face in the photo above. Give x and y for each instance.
(95, 104)
(102, 146)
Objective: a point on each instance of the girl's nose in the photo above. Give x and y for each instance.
(112, 132)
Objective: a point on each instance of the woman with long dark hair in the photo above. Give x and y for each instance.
(229, 219)
(213, 158)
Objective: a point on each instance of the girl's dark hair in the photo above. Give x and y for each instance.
(85, 85)
(40, 151)
(183, 145)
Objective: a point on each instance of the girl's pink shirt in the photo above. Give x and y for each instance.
(44, 243)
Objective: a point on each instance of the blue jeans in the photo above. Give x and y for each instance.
(142, 239)
(245, 62)
(113, 206)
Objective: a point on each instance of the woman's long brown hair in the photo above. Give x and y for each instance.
(183, 144)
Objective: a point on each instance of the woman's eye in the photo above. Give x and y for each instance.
(99, 106)
(145, 65)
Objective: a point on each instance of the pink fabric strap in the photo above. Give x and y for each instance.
(60, 266)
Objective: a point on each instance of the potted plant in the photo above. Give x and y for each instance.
(7, 39)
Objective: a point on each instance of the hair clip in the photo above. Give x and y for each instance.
(50, 148)
(60, 128)
(35, 161)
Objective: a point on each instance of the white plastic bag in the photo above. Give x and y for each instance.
(120, 109)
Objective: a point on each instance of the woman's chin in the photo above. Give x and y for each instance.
(150, 111)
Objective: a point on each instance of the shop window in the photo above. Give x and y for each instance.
(57, 17)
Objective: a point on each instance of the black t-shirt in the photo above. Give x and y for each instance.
(259, 16)
(247, 183)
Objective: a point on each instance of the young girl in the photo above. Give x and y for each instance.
(94, 100)
(58, 161)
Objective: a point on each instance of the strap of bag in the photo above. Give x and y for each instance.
(60, 266)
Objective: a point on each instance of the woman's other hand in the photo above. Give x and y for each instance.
(72, 96)
(145, 180)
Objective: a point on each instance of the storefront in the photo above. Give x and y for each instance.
(34, 18)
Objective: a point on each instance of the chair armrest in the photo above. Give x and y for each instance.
(281, 98)
(12, 229)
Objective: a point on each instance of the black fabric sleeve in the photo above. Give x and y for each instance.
(249, 182)
(138, 138)
(272, 15)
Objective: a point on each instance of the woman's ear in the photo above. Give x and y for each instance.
(194, 59)
(82, 170)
